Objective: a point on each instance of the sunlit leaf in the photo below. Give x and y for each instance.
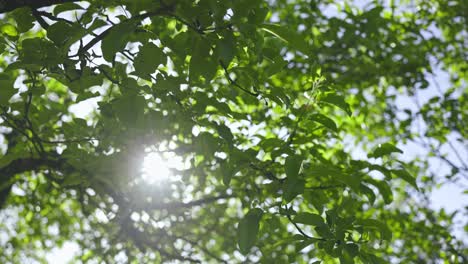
(9, 30)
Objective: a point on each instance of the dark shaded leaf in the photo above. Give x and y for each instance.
(406, 176)
(292, 188)
(309, 219)
(383, 150)
(385, 232)
(338, 101)
(247, 230)
(116, 40)
(292, 166)
(384, 190)
(291, 37)
(324, 120)
(148, 59)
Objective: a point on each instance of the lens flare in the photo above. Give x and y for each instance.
(155, 168)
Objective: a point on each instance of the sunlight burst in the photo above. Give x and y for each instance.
(155, 168)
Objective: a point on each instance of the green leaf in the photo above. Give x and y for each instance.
(406, 176)
(23, 18)
(337, 100)
(278, 64)
(309, 219)
(59, 32)
(201, 63)
(352, 180)
(352, 249)
(292, 188)
(384, 189)
(369, 193)
(41, 52)
(116, 40)
(9, 30)
(148, 59)
(324, 120)
(371, 258)
(227, 172)
(66, 7)
(385, 232)
(292, 166)
(247, 230)
(324, 231)
(86, 80)
(226, 49)
(291, 37)
(6, 88)
(225, 133)
(63, 34)
(383, 150)
(129, 108)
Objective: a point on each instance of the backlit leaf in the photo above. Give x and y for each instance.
(9, 30)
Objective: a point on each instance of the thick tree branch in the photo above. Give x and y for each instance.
(17, 166)
(10, 5)
(29, 164)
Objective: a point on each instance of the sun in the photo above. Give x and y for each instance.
(155, 168)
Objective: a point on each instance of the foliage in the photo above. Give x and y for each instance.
(273, 107)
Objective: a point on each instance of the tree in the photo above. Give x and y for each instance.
(285, 114)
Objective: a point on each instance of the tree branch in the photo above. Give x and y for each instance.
(17, 166)
(10, 5)
(29, 164)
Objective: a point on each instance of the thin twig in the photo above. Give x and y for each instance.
(233, 82)
(39, 19)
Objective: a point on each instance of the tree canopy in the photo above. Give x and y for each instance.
(291, 122)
